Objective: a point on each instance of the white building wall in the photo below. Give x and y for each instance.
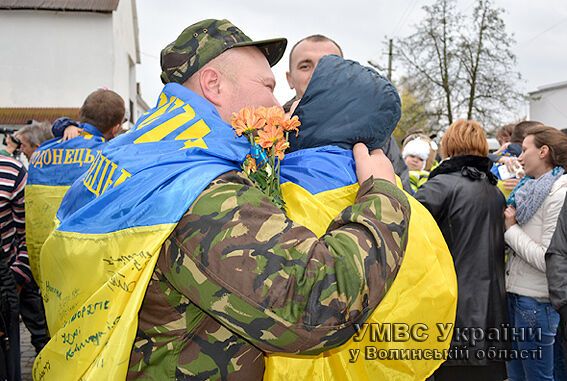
(550, 107)
(54, 59)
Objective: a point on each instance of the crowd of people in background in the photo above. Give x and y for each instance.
(501, 214)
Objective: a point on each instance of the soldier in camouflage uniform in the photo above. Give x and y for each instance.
(237, 278)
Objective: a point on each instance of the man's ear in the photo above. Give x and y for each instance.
(289, 80)
(117, 130)
(113, 132)
(210, 82)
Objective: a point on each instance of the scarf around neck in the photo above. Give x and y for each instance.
(528, 196)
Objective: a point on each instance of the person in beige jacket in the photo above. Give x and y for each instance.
(530, 218)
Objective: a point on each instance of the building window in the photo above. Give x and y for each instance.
(131, 111)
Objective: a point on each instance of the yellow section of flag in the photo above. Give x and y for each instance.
(423, 295)
(93, 311)
(42, 202)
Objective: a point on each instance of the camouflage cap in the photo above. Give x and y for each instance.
(201, 42)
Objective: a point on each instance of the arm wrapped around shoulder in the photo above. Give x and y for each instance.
(240, 259)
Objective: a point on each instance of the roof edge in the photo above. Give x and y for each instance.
(553, 86)
(98, 6)
(54, 10)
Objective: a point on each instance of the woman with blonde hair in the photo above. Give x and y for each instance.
(531, 218)
(462, 196)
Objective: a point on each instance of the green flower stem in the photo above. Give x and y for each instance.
(268, 179)
(273, 172)
(278, 183)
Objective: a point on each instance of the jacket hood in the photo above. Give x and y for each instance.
(346, 103)
(473, 167)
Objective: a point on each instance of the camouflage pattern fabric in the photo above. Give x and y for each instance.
(201, 42)
(237, 279)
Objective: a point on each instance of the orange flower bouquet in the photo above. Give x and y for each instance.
(267, 130)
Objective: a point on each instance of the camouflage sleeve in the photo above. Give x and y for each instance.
(240, 259)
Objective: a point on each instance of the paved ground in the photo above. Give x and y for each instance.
(28, 353)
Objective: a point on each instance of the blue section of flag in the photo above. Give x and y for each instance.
(158, 180)
(319, 169)
(70, 158)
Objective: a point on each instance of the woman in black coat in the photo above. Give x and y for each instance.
(462, 196)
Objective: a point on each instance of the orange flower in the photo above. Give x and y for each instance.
(280, 148)
(275, 116)
(250, 164)
(292, 125)
(246, 121)
(269, 136)
(261, 112)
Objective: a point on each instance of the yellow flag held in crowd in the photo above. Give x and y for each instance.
(54, 167)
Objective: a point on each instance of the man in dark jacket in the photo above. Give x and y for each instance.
(556, 265)
(303, 59)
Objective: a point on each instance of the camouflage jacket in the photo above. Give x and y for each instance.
(237, 279)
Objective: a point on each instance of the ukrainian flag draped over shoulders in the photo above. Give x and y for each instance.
(54, 166)
(317, 184)
(97, 264)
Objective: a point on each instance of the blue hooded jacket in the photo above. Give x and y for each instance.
(346, 103)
